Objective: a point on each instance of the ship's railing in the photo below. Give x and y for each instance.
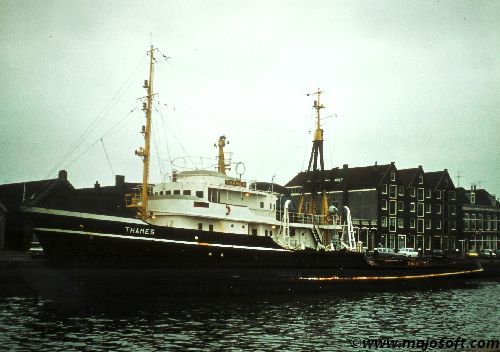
(304, 218)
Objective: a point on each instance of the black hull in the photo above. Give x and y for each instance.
(96, 253)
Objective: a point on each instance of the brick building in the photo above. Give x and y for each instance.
(390, 207)
(479, 214)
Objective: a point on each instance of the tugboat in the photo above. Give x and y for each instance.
(204, 231)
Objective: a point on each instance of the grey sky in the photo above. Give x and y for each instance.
(415, 82)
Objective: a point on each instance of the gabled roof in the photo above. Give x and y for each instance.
(13, 195)
(407, 176)
(435, 179)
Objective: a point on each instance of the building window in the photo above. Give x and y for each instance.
(494, 220)
(384, 204)
(453, 209)
(161, 193)
(307, 206)
(438, 208)
(412, 207)
(473, 221)
(420, 179)
(453, 224)
(488, 223)
(186, 192)
(412, 223)
(473, 198)
(393, 176)
(384, 221)
(420, 194)
(401, 223)
(466, 221)
(420, 209)
(392, 224)
(384, 188)
(167, 193)
(392, 207)
(428, 193)
(427, 207)
(392, 191)
(428, 223)
(480, 221)
(401, 190)
(211, 228)
(438, 224)
(438, 194)
(412, 191)
(452, 195)
(199, 194)
(392, 241)
(420, 226)
(400, 205)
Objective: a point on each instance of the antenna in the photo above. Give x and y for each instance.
(458, 178)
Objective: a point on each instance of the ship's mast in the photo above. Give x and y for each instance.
(144, 153)
(221, 165)
(312, 169)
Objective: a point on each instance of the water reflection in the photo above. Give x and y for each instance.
(292, 323)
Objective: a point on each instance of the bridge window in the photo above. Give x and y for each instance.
(199, 194)
(213, 195)
(262, 204)
(186, 192)
(200, 226)
(211, 228)
(254, 232)
(177, 191)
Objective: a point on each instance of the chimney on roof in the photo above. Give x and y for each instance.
(119, 180)
(445, 170)
(474, 187)
(419, 166)
(345, 166)
(97, 185)
(63, 175)
(392, 162)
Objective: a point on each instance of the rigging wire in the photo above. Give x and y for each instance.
(107, 133)
(117, 96)
(175, 137)
(107, 158)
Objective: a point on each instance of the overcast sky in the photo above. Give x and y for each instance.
(414, 82)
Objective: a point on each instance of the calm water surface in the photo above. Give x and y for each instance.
(288, 323)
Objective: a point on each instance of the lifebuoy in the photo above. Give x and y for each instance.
(329, 218)
(228, 210)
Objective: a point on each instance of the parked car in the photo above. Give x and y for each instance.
(384, 252)
(487, 253)
(472, 254)
(437, 253)
(408, 252)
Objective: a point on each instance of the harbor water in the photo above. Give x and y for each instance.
(333, 322)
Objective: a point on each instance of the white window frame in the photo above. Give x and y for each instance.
(412, 191)
(384, 204)
(384, 221)
(438, 194)
(421, 194)
(428, 193)
(384, 188)
(413, 207)
(420, 225)
(401, 205)
(428, 224)
(401, 190)
(428, 208)
(439, 224)
(413, 223)
(392, 224)
(401, 223)
(439, 208)
(393, 207)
